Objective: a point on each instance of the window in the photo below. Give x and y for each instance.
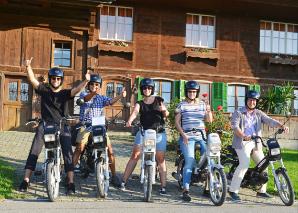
(295, 105)
(236, 97)
(205, 89)
(116, 23)
(111, 92)
(279, 38)
(200, 30)
(18, 90)
(164, 90)
(62, 54)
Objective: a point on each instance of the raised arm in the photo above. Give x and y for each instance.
(122, 95)
(82, 85)
(133, 115)
(34, 82)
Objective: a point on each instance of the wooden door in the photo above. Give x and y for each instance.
(17, 107)
(112, 88)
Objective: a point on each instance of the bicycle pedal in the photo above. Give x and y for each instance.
(135, 177)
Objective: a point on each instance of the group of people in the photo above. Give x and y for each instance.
(190, 113)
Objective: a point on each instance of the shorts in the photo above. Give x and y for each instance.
(83, 136)
(161, 141)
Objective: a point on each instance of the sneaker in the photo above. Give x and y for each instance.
(186, 197)
(206, 193)
(163, 191)
(122, 186)
(71, 188)
(24, 186)
(234, 196)
(263, 195)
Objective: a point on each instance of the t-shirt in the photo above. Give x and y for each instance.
(192, 115)
(150, 116)
(94, 106)
(54, 105)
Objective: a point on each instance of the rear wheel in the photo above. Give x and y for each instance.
(52, 182)
(218, 188)
(147, 185)
(286, 192)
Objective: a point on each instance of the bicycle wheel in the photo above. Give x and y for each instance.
(286, 191)
(52, 183)
(147, 185)
(100, 180)
(219, 190)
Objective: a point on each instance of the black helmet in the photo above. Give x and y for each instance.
(95, 78)
(147, 82)
(253, 94)
(192, 85)
(55, 71)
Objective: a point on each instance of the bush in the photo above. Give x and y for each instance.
(170, 122)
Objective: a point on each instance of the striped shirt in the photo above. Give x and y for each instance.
(192, 115)
(94, 107)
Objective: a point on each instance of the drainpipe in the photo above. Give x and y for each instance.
(2, 80)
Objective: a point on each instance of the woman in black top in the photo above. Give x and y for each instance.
(152, 113)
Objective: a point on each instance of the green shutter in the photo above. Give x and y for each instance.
(179, 89)
(256, 87)
(219, 95)
(137, 82)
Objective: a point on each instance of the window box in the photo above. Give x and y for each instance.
(115, 46)
(278, 60)
(202, 53)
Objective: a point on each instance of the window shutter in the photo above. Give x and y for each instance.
(256, 87)
(179, 89)
(219, 95)
(137, 82)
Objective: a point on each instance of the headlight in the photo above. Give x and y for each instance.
(49, 137)
(98, 139)
(214, 148)
(275, 151)
(149, 142)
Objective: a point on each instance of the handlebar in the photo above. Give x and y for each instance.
(256, 138)
(194, 130)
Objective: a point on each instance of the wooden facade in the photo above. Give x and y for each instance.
(157, 49)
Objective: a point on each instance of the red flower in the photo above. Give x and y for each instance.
(205, 95)
(219, 108)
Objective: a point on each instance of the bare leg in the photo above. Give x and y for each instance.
(131, 163)
(160, 157)
(28, 174)
(77, 153)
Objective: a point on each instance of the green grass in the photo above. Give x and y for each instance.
(290, 159)
(7, 179)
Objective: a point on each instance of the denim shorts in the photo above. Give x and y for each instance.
(161, 141)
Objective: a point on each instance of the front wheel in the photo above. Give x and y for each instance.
(52, 182)
(179, 173)
(147, 185)
(286, 192)
(218, 187)
(100, 179)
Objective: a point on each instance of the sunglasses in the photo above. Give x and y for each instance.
(149, 88)
(94, 84)
(191, 91)
(56, 78)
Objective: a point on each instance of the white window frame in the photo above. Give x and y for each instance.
(237, 85)
(116, 25)
(165, 80)
(286, 39)
(295, 110)
(200, 29)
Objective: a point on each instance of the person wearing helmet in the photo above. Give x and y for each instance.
(246, 122)
(152, 112)
(54, 106)
(191, 113)
(94, 103)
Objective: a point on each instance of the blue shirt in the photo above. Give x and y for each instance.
(94, 107)
(250, 121)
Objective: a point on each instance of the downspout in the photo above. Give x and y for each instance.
(2, 80)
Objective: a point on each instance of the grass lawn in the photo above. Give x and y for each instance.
(6, 180)
(290, 159)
